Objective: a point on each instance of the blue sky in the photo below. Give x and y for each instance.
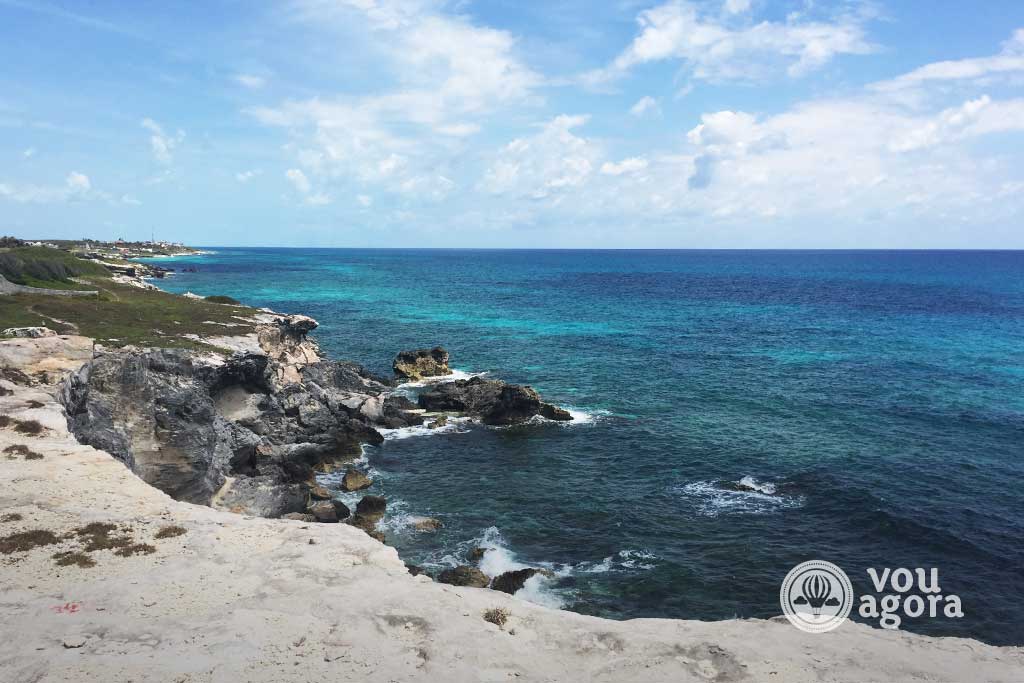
(565, 123)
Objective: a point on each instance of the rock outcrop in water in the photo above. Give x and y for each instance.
(415, 365)
(492, 401)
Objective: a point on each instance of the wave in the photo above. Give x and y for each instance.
(751, 497)
(456, 425)
(624, 560)
(442, 379)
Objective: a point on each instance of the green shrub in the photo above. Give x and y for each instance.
(220, 299)
(42, 266)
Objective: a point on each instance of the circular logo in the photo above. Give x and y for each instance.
(816, 596)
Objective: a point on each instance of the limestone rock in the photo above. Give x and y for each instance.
(464, 576)
(29, 332)
(354, 480)
(415, 365)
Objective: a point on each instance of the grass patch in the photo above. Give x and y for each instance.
(136, 549)
(171, 532)
(102, 536)
(29, 427)
(72, 559)
(20, 449)
(497, 616)
(45, 267)
(123, 315)
(220, 299)
(11, 517)
(24, 541)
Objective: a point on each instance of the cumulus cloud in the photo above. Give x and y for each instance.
(543, 165)
(449, 75)
(162, 143)
(246, 176)
(712, 49)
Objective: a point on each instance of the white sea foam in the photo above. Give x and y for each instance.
(442, 379)
(766, 488)
(455, 425)
(711, 500)
(624, 560)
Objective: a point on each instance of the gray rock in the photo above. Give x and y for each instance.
(324, 512)
(29, 332)
(464, 576)
(371, 507)
(512, 581)
(493, 401)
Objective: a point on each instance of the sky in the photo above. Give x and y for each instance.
(513, 123)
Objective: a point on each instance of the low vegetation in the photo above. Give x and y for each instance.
(221, 299)
(74, 559)
(11, 517)
(497, 616)
(23, 541)
(136, 549)
(171, 532)
(45, 267)
(120, 315)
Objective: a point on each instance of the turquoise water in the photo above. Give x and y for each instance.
(880, 393)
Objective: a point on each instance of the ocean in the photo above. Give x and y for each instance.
(872, 402)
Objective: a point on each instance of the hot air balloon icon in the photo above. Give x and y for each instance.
(816, 596)
(816, 591)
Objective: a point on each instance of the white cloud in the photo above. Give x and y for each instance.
(545, 164)
(130, 200)
(364, 200)
(299, 180)
(77, 186)
(1009, 61)
(736, 6)
(250, 81)
(161, 143)
(29, 153)
(246, 176)
(631, 165)
(644, 106)
(446, 76)
(975, 117)
(78, 182)
(714, 50)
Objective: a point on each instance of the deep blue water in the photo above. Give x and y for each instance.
(881, 393)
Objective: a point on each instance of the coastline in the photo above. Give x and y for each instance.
(348, 607)
(279, 600)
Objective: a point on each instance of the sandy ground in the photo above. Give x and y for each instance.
(248, 599)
